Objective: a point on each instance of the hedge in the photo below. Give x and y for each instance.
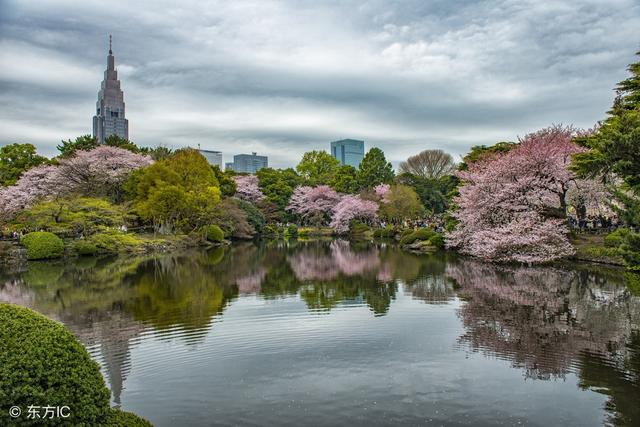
(43, 245)
(43, 364)
(213, 233)
(424, 234)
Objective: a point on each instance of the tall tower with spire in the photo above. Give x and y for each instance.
(110, 119)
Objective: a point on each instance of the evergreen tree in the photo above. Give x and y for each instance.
(374, 169)
(615, 145)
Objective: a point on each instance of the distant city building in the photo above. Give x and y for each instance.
(110, 119)
(348, 151)
(228, 166)
(213, 157)
(248, 163)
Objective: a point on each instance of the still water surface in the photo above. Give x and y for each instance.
(340, 334)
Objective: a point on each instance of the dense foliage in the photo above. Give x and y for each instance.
(374, 169)
(42, 245)
(178, 193)
(15, 159)
(43, 364)
(317, 168)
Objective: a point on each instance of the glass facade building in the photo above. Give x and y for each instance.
(348, 151)
(249, 163)
(213, 157)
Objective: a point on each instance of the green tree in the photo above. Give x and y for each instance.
(481, 152)
(179, 192)
(160, 152)
(227, 184)
(278, 185)
(317, 167)
(116, 141)
(84, 142)
(374, 169)
(435, 194)
(344, 180)
(400, 203)
(16, 159)
(614, 148)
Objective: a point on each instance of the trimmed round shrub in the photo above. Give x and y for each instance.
(422, 234)
(213, 233)
(43, 364)
(43, 245)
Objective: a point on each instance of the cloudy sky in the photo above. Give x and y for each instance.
(285, 77)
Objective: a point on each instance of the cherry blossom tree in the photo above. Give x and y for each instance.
(512, 206)
(247, 188)
(33, 185)
(314, 204)
(351, 208)
(383, 191)
(100, 171)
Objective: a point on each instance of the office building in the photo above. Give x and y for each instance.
(110, 118)
(249, 163)
(213, 157)
(348, 151)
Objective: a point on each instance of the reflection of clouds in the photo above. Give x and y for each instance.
(542, 318)
(314, 263)
(251, 283)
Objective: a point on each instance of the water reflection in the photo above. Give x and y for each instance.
(547, 322)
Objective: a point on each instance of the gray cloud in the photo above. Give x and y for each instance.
(282, 78)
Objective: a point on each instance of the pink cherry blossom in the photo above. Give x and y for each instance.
(247, 188)
(313, 202)
(512, 206)
(351, 208)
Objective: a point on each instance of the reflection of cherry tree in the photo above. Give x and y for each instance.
(251, 283)
(309, 264)
(542, 318)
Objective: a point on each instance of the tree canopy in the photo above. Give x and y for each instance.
(374, 169)
(431, 164)
(16, 159)
(317, 167)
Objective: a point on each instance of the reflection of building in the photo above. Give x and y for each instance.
(248, 163)
(109, 119)
(348, 151)
(213, 157)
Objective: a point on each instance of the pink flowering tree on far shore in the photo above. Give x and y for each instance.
(512, 206)
(35, 184)
(247, 188)
(101, 171)
(314, 204)
(352, 208)
(97, 172)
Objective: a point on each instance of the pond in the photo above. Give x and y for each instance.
(336, 333)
